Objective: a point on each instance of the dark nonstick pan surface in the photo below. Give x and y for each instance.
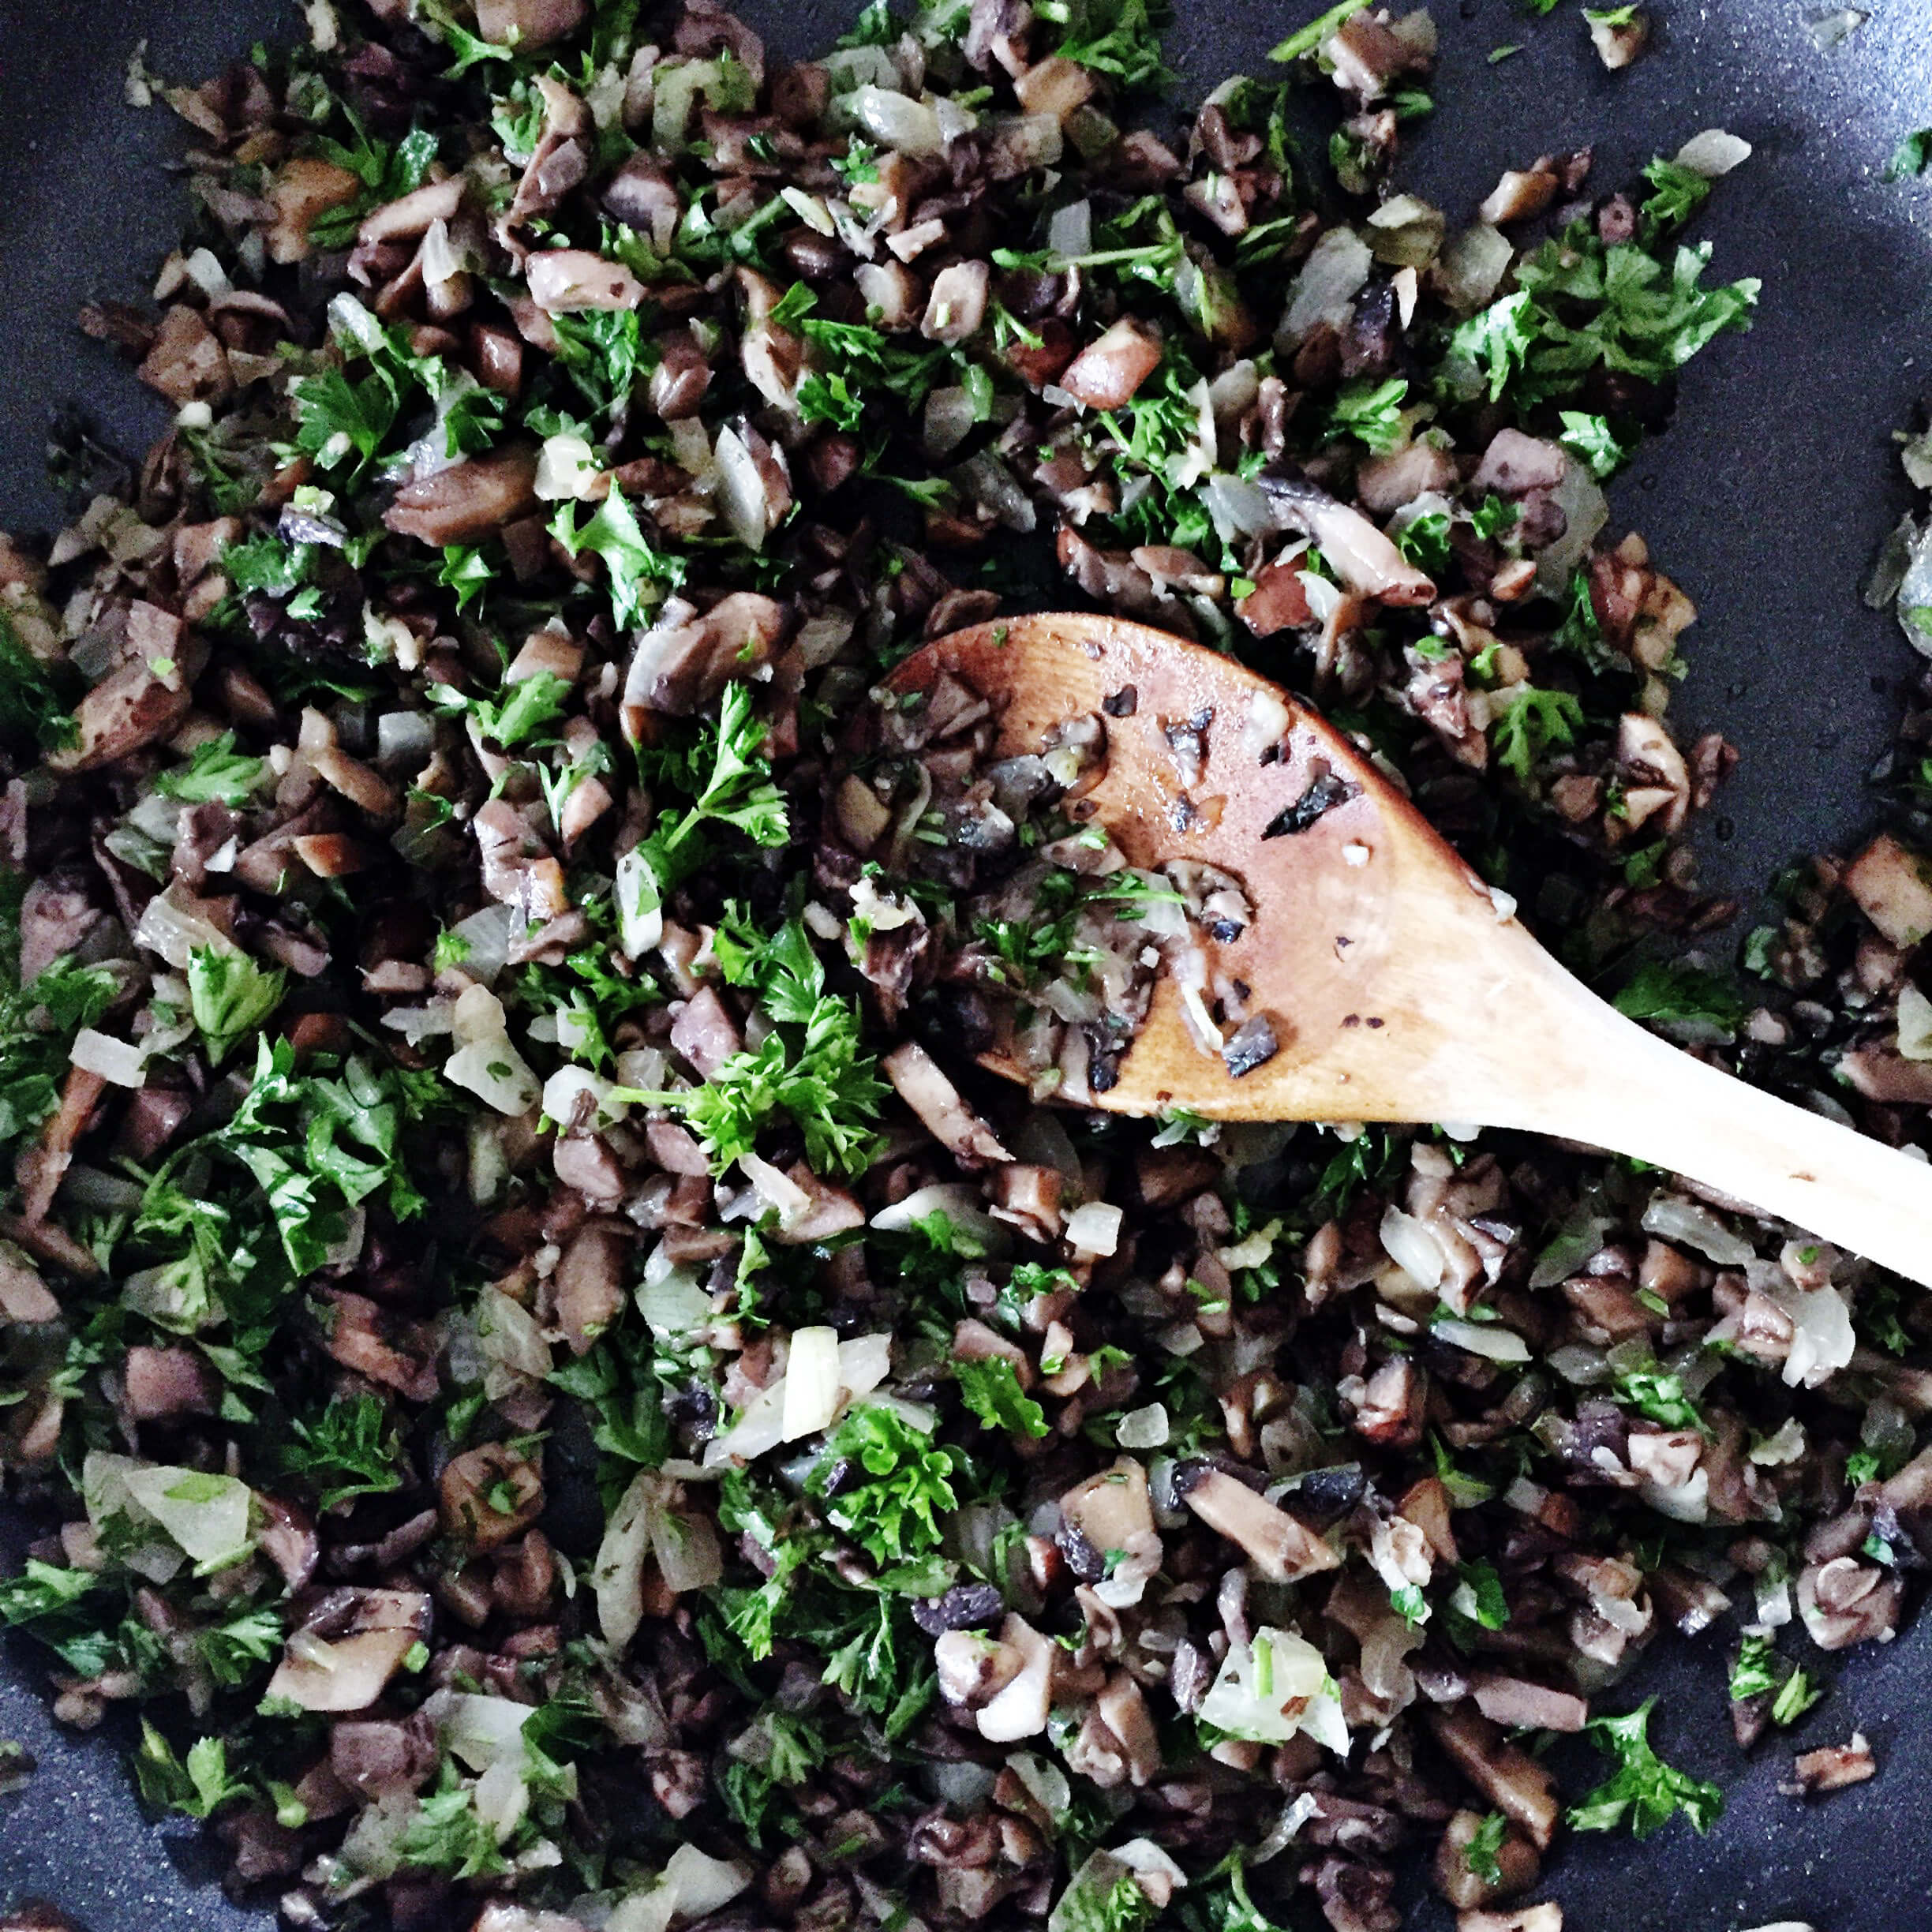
(1766, 500)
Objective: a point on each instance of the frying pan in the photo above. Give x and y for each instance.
(1766, 500)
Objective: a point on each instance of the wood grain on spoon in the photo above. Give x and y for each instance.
(1400, 988)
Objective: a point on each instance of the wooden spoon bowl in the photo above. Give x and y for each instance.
(1399, 985)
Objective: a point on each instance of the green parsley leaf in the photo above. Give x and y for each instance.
(1532, 723)
(895, 1487)
(520, 708)
(42, 1589)
(466, 571)
(603, 351)
(1306, 39)
(1591, 439)
(230, 995)
(1676, 994)
(469, 49)
(1495, 342)
(216, 771)
(1478, 1594)
(338, 419)
(448, 1835)
(37, 1029)
(1676, 194)
(1117, 37)
(31, 701)
(236, 1649)
(1371, 412)
(1795, 1696)
(1644, 1790)
(1479, 1854)
(991, 1389)
(1652, 1392)
(737, 790)
(348, 1448)
(199, 1787)
(629, 558)
(875, 26)
(1911, 157)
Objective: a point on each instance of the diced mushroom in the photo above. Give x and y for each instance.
(705, 1033)
(568, 281)
(364, 1337)
(956, 307)
(288, 1538)
(589, 1283)
(1659, 787)
(1280, 1546)
(1831, 1768)
(519, 870)
(1893, 888)
(1619, 34)
(1019, 1710)
(526, 25)
(162, 1383)
(1844, 1602)
(1108, 372)
(412, 214)
(916, 1077)
(129, 708)
(187, 363)
(1366, 561)
(24, 1296)
(349, 1672)
(1518, 1704)
(974, 1669)
(1514, 464)
(303, 190)
(685, 659)
(381, 1756)
(1513, 1782)
(1546, 1916)
(489, 1495)
(468, 501)
(1517, 1865)
(1519, 195)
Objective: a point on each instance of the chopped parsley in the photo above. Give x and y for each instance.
(1644, 1792)
(991, 1389)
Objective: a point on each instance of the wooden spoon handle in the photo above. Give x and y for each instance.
(1639, 1095)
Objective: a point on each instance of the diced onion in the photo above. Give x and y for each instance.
(1409, 1244)
(115, 1060)
(1144, 1429)
(1271, 1689)
(1489, 1339)
(894, 121)
(174, 925)
(1093, 1229)
(1915, 1024)
(1331, 279)
(1713, 153)
(486, 1062)
(811, 1383)
(1671, 1219)
(567, 469)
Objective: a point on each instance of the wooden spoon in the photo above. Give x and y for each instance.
(1400, 986)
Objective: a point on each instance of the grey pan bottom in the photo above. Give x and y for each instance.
(1766, 500)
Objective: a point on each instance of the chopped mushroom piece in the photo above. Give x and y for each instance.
(1831, 1768)
(1546, 1917)
(1515, 1784)
(1278, 1545)
(916, 1078)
